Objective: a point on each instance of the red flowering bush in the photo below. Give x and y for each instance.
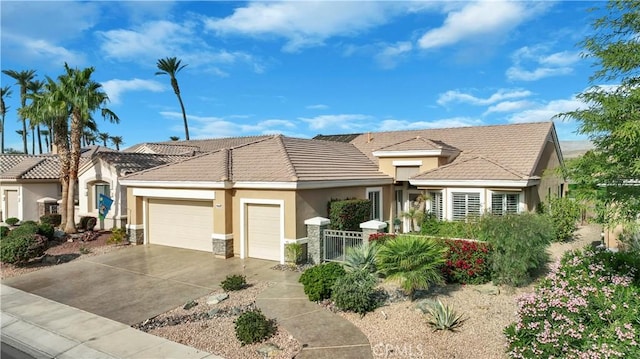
(381, 237)
(467, 262)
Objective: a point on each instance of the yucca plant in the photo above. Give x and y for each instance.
(413, 262)
(361, 258)
(443, 317)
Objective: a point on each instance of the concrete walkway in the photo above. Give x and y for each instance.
(322, 334)
(43, 328)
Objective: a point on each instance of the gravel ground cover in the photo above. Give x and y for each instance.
(62, 252)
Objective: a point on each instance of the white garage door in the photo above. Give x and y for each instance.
(180, 223)
(263, 231)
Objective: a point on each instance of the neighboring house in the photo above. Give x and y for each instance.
(30, 184)
(249, 196)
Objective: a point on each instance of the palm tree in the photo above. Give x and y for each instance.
(117, 141)
(103, 136)
(88, 138)
(174, 138)
(46, 134)
(34, 87)
(51, 108)
(22, 79)
(83, 96)
(171, 66)
(5, 91)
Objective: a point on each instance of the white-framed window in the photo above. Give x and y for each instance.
(505, 203)
(100, 188)
(465, 204)
(435, 204)
(375, 196)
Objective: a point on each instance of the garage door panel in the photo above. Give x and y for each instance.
(263, 231)
(181, 223)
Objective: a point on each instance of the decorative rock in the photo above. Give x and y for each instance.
(269, 350)
(215, 299)
(58, 234)
(236, 311)
(212, 313)
(424, 305)
(190, 304)
(488, 288)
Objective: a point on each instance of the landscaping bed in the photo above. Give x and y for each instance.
(61, 251)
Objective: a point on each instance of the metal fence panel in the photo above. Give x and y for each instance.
(337, 242)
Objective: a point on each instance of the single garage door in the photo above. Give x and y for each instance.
(180, 223)
(263, 231)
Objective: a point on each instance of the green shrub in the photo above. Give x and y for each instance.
(53, 219)
(413, 262)
(564, 213)
(4, 231)
(46, 230)
(630, 238)
(346, 215)
(117, 235)
(22, 244)
(518, 246)
(355, 292)
(293, 253)
(361, 258)
(431, 226)
(318, 281)
(467, 262)
(12, 221)
(253, 327)
(234, 282)
(587, 306)
(443, 317)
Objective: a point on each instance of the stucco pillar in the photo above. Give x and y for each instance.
(371, 227)
(315, 238)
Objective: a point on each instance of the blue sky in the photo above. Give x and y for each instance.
(304, 68)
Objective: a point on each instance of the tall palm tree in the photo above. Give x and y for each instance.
(84, 96)
(117, 141)
(34, 87)
(22, 79)
(45, 134)
(171, 66)
(50, 107)
(103, 136)
(5, 91)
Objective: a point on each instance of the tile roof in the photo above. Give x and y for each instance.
(515, 146)
(471, 166)
(131, 162)
(418, 143)
(39, 167)
(193, 146)
(271, 159)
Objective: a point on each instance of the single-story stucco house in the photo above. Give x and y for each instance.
(250, 196)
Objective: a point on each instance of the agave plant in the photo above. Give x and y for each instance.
(443, 317)
(413, 262)
(362, 258)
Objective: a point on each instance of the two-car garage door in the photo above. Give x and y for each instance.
(180, 223)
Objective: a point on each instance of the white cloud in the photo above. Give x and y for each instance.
(541, 63)
(546, 111)
(305, 23)
(345, 122)
(500, 95)
(508, 106)
(478, 20)
(229, 126)
(396, 125)
(390, 55)
(318, 107)
(114, 88)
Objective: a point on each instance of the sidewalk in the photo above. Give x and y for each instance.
(46, 329)
(322, 334)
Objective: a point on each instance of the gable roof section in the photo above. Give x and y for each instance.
(417, 144)
(338, 138)
(515, 146)
(468, 166)
(131, 162)
(30, 167)
(269, 160)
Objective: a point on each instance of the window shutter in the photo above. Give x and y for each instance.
(436, 204)
(404, 173)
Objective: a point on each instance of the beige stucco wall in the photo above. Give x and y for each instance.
(386, 166)
(550, 180)
(28, 194)
(102, 172)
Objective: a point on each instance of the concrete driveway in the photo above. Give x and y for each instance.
(138, 283)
